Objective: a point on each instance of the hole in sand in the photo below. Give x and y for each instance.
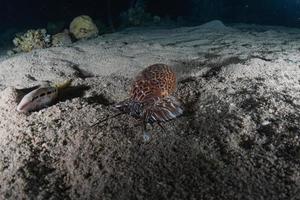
(72, 92)
(99, 99)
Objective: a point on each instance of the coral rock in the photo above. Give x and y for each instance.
(83, 27)
(61, 39)
(32, 39)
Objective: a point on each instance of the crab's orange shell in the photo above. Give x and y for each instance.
(157, 80)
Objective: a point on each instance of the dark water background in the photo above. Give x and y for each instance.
(37, 13)
(17, 16)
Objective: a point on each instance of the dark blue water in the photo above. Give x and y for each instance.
(32, 13)
(20, 15)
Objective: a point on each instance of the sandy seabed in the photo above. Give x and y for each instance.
(238, 137)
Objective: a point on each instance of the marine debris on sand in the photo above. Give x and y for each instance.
(238, 137)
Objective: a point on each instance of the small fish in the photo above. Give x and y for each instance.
(41, 97)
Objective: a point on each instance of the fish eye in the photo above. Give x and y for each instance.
(34, 98)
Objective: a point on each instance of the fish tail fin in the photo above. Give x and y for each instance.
(64, 84)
